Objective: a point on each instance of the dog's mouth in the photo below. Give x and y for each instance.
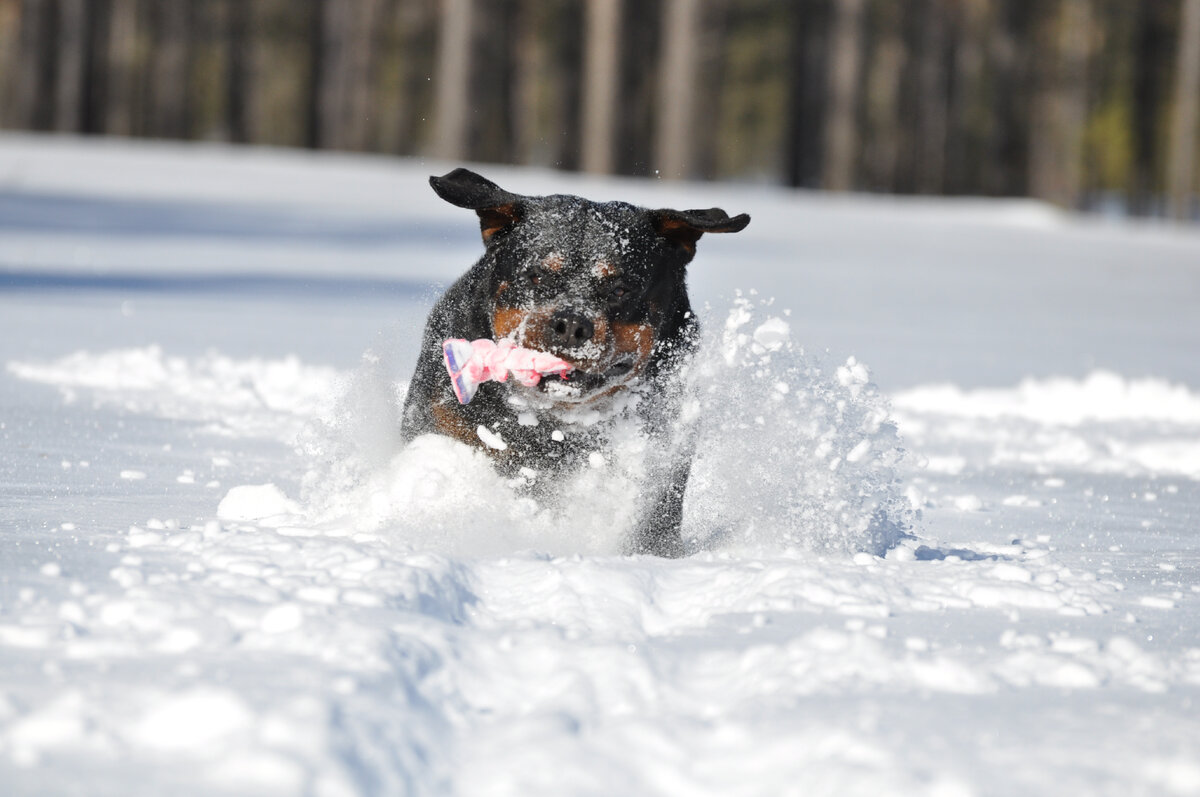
(579, 385)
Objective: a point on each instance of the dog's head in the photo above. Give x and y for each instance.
(600, 285)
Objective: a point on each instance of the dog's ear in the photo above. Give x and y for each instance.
(498, 210)
(685, 227)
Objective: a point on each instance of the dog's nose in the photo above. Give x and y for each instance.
(569, 328)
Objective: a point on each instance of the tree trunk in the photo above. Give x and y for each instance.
(237, 72)
(170, 88)
(808, 67)
(1151, 40)
(841, 125)
(637, 87)
(1181, 163)
(452, 103)
(881, 150)
(600, 77)
(931, 110)
(1006, 164)
(316, 72)
(72, 67)
(121, 97)
(37, 65)
(675, 133)
(530, 63)
(1059, 109)
(566, 87)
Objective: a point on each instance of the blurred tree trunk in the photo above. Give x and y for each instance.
(347, 80)
(1151, 40)
(316, 71)
(530, 62)
(711, 70)
(931, 101)
(95, 58)
(120, 100)
(675, 131)
(806, 93)
(881, 150)
(1059, 109)
(1181, 163)
(171, 68)
(492, 114)
(37, 65)
(970, 111)
(600, 79)
(1007, 172)
(452, 104)
(72, 67)
(637, 97)
(566, 87)
(418, 23)
(841, 127)
(237, 72)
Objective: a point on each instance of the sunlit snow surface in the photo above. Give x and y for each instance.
(222, 575)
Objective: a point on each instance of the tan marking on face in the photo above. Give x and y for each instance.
(603, 269)
(509, 322)
(553, 262)
(635, 339)
(501, 288)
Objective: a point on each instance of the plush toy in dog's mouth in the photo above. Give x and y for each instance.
(472, 362)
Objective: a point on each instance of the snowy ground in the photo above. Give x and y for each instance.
(182, 327)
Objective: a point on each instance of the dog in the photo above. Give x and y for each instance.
(600, 285)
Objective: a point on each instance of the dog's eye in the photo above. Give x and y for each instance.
(619, 292)
(535, 278)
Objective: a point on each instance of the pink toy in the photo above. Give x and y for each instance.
(471, 362)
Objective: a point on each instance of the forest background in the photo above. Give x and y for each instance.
(1089, 104)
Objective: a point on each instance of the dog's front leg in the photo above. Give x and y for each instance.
(658, 531)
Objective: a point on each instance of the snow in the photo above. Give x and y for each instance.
(942, 527)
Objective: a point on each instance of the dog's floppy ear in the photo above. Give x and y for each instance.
(497, 209)
(685, 227)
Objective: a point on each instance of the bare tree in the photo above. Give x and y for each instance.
(1059, 109)
(120, 52)
(347, 81)
(841, 128)
(881, 150)
(452, 103)
(1181, 163)
(1152, 39)
(237, 72)
(530, 61)
(931, 112)
(36, 67)
(600, 78)
(674, 136)
(807, 86)
(170, 64)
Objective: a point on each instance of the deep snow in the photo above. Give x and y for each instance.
(221, 575)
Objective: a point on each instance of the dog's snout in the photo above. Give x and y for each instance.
(569, 328)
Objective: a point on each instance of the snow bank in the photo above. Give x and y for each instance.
(254, 397)
(1103, 423)
(1102, 396)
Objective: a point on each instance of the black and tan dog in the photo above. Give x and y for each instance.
(601, 285)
